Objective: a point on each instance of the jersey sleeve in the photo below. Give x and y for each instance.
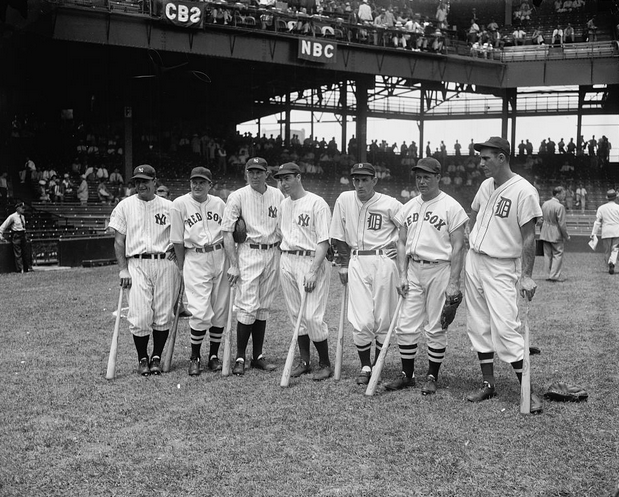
(118, 220)
(457, 216)
(323, 221)
(177, 225)
(396, 208)
(338, 222)
(231, 212)
(528, 207)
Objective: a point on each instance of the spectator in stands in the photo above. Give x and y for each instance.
(102, 172)
(568, 34)
(591, 146)
(569, 196)
(458, 149)
(551, 147)
(581, 197)
(592, 30)
(66, 188)
(82, 190)
(163, 191)
(524, 12)
(519, 35)
(4, 189)
(521, 148)
(561, 145)
(529, 147)
(441, 14)
(365, 12)
(105, 196)
(557, 37)
(42, 192)
(538, 36)
(54, 189)
(473, 34)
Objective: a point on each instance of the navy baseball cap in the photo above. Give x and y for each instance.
(287, 168)
(428, 164)
(201, 172)
(496, 142)
(256, 163)
(144, 172)
(363, 169)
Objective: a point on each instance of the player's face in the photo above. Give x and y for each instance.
(200, 188)
(427, 184)
(257, 179)
(289, 183)
(491, 161)
(364, 185)
(145, 188)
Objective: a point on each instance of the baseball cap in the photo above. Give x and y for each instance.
(256, 163)
(201, 172)
(144, 172)
(428, 164)
(495, 142)
(287, 168)
(611, 194)
(363, 168)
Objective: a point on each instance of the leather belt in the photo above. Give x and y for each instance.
(368, 252)
(307, 253)
(209, 248)
(421, 261)
(150, 256)
(263, 246)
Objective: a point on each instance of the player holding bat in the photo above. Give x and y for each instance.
(502, 255)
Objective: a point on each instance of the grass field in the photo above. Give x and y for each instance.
(67, 431)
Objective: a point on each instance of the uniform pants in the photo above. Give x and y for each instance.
(21, 251)
(207, 288)
(154, 288)
(372, 296)
(491, 298)
(611, 248)
(292, 270)
(553, 259)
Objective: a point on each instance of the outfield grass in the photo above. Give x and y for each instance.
(67, 431)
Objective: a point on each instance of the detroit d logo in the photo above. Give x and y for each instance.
(375, 222)
(503, 207)
(160, 219)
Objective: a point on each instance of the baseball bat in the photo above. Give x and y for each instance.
(525, 387)
(293, 345)
(111, 362)
(378, 367)
(167, 359)
(339, 351)
(225, 367)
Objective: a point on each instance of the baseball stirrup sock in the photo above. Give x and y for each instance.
(377, 349)
(435, 359)
(408, 351)
(215, 334)
(243, 332)
(159, 340)
(517, 365)
(323, 352)
(364, 355)
(257, 336)
(408, 367)
(197, 336)
(141, 346)
(304, 347)
(486, 361)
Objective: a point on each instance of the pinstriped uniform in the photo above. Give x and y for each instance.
(429, 225)
(258, 267)
(198, 225)
(372, 279)
(305, 223)
(154, 282)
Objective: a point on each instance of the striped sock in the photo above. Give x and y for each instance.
(486, 361)
(364, 354)
(435, 359)
(215, 334)
(196, 338)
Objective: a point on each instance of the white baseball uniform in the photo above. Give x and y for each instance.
(493, 265)
(370, 230)
(429, 251)
(304, 224)
(155, 279)
(197, 225)
(258, 256)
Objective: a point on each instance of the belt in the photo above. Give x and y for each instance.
(209, 248)
(150, 256)
(368, 252)
(420, 261)
(263, 246)
(308, 253)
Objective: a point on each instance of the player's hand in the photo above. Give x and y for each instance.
(343, 275)
(452, 290)
(402, 288)
(125, 278)
(527, 287)
(309, 281)
(233, 275)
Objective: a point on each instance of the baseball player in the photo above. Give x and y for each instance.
(254, 264)
(501, 255)
(198, 244)
(430, 257)
(607, 222)
(364, 232)
(304, 223)
(145, 258)
(16, 222)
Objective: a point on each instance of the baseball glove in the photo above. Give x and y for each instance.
(563, 392)
(240, 230)
(449, 309)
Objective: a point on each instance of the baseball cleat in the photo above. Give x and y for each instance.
(429, 387)
(323, 373)
(214, 364)
(261, 363)
(303, 367)
(239, 367)
(194, 366)
(611, 268)
(364, 376)
(155, 365)
(487, 391)
(401, 383)
(143, 368)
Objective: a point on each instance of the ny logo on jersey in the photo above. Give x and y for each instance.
(375, 221)
(303, 220)
(272, 211)
(503, 207)
(160, 219)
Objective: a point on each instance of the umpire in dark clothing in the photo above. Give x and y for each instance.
(16, 223)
